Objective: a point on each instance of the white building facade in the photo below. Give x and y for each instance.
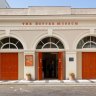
(48, 43)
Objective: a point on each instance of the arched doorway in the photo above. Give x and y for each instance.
(50, 63)
(9, 60)
(88, 57)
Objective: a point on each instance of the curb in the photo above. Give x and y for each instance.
(51, 84)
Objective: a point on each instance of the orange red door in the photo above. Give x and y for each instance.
(88, 65)
(60, 66)
(0, 66)
(8, 66)
(39, 66)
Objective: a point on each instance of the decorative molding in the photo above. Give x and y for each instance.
(2, 32)
(71, 52)
(50, 32)
(92, 31)
(7, 32)
(45, 27)
(48, 17)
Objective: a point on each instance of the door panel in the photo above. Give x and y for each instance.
(60, 66)
(40, 66)
(89, 65)
(9, 66)
(0, 66)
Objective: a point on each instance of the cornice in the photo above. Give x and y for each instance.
(47, 17)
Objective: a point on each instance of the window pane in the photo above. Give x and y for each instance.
(6, 46)
(80, 44)
(5, 40)
(93, 45)
(53, 46)
(86, 39)
(54, 40)
(0, 44)
(47, 46)
(46, 40)
(93, 39)
(12, 46)
(87, 45)
(19, 45)
(39, 46)
(13, 40)
(60, 45)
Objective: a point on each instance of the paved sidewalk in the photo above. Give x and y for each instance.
(53, 82)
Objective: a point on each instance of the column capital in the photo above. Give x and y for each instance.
(29, 53)
(50, 31)
(7, 32)
(71, 52)
(92, 31)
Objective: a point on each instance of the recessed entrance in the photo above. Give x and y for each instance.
(50, 65)
(50, 59)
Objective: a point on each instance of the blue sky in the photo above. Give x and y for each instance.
(72, 3)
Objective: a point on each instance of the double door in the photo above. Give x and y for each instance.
(56, 64)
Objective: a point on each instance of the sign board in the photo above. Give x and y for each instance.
(71, 59)
(28, 60)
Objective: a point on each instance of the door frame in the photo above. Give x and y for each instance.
(61, 66)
